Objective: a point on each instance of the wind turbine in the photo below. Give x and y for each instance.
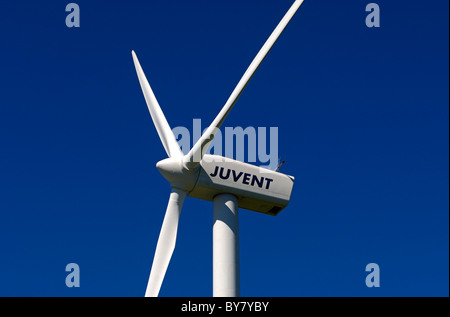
(228, 183)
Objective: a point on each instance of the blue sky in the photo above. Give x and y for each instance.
(363, 125)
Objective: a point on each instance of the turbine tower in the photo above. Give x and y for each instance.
(228, 183)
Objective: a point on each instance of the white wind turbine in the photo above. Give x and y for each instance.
(228, 183)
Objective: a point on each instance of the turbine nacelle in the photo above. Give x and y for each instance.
(256, 189)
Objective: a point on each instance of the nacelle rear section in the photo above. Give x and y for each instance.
(257, 189)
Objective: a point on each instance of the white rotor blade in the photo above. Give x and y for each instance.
(166, 242)
(165, 133)
(195, 155)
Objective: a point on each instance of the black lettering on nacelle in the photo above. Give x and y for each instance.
(245, 178)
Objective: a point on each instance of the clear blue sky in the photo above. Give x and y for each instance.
(363, 124)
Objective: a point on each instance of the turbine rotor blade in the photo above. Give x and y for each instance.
(166, 242)
(162, 126)
(193, 158)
